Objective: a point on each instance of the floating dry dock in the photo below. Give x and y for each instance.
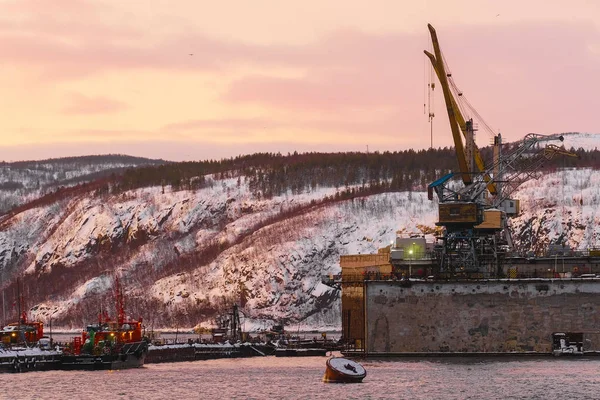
(388, 317)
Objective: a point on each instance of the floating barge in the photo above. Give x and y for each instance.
(300, 352)
(205, 351)
(29, 359)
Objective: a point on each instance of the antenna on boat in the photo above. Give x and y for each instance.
(21, 319)
(120, 302)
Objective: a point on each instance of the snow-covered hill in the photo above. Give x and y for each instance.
(562, 207)
(24, 181)
(185, 256)
(586, 141)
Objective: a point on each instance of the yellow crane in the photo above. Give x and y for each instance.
(457, 121)
(476, 234)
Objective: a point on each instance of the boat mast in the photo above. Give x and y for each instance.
(21, 335)
(120, 303)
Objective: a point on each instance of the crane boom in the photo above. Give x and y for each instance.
(460, 120)
(441, 72)
(519, 165)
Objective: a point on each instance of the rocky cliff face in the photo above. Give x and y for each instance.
(560, 208)
(185, 256)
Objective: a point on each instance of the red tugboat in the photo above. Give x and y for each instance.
(342, 370)
(23, 346)
(23, 331)
(109, 344)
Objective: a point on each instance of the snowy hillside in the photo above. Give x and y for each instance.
(561, 208)
(586, 141)
(25, 181)
(185, 256)
(278, 266)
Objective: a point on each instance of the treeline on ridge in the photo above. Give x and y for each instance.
(273, 174)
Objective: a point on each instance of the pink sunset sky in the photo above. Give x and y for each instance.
(200, 79)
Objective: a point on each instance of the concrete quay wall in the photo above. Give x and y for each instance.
(495, 316)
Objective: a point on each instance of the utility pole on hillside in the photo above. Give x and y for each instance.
(3, 301)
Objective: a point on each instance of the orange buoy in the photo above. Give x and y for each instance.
(343, 370)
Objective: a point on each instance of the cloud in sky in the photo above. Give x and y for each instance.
(80, 104)
(330, 81)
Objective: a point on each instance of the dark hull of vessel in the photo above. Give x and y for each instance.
(291, 352)
(193, 352)
(25, 363)
(132, 355)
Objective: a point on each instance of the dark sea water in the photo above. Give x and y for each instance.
(300, 378)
